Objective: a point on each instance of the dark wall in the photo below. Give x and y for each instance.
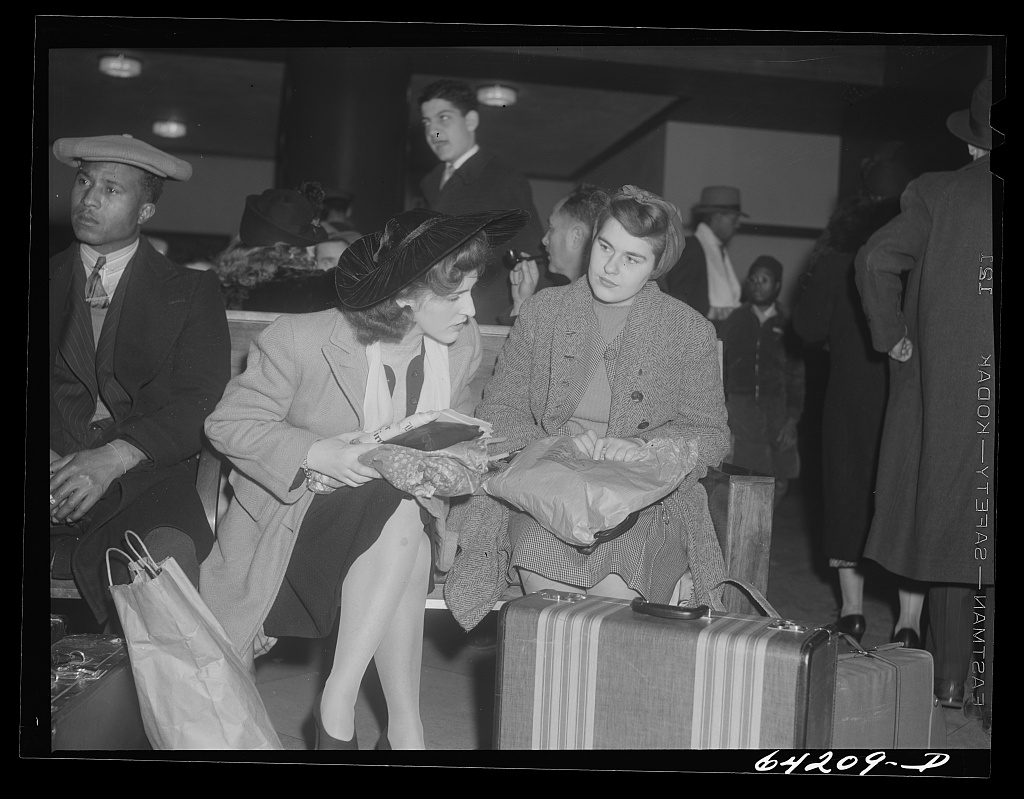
(345, 119)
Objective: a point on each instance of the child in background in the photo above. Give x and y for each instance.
(764, 379)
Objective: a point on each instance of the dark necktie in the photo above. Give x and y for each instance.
(449, 170)
(95, 294)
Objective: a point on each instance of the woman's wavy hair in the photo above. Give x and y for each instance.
(388, 321)
(641, 219)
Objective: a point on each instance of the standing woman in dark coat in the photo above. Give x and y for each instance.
(935, 506)
(829, 312)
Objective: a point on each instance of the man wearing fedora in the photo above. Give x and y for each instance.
(469, 179)
(139, 355)
(934, 518)
(704, 277)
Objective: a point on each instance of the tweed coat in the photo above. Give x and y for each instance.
(665, 382)
(935, 506)
(172, 356)
(305, 380)
(484, 183)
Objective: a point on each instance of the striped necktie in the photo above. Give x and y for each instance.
(95, 294)
(449, 170)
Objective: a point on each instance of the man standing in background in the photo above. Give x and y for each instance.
(704, 277)
(470, 179)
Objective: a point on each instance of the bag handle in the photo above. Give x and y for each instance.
(141, 562)
(702, 611)
(759, 599)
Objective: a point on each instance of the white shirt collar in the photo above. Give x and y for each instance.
(116, 261)
(465, 156)
(763, 315)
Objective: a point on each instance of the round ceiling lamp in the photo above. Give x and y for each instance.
(497, 95)
(120, 66)
(169, 128)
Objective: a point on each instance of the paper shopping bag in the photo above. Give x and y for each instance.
(195, 691)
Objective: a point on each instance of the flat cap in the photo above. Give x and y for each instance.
(123, 149)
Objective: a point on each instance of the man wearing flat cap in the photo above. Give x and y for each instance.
(139, 356)
(934, 519)
(704, 277)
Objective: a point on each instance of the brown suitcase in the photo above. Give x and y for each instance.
(93, 702)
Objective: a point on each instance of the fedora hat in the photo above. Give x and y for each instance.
(719, 198)
(972, 124)
(279, 215)
(381, 264)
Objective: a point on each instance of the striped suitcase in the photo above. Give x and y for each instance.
(576, 672)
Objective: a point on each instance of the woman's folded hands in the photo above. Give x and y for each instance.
(609, 448)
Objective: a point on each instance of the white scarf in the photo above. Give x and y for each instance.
(723, 286)
(378, 410)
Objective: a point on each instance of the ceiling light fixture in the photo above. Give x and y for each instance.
(169, 128)
(496, 95)
(120, 66)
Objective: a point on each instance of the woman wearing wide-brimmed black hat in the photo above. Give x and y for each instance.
(307, 517)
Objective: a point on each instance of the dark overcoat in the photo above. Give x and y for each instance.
(934, 509)
(829, 311)
(484, 183)
(172, 357)
(688, 279)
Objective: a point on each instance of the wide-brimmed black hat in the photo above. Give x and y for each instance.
(381, 264)
(972, 124)
(279, 215)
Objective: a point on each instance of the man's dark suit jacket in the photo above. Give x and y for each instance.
(172, 356)
(688, 279)
(484, 183)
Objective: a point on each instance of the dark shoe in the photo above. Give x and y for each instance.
(324, 740)
(907, 637)
(853, 625)
(950, 693)
(383, 743)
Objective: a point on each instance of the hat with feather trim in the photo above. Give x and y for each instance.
(379, 265)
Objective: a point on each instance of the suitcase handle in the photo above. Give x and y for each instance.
(670, 611)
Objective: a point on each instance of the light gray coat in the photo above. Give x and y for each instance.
(305, 380)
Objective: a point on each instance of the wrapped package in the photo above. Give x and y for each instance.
(450, 472)
(576, 497)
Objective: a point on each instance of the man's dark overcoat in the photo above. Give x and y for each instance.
(484, 183)
(172, 357)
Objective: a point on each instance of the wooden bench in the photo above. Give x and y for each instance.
(740, 504)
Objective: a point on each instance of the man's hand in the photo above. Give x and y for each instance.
(524, 278)
(902, 350)
(77, 481)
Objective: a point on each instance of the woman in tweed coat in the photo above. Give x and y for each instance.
(614, 363)
(308, 517)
